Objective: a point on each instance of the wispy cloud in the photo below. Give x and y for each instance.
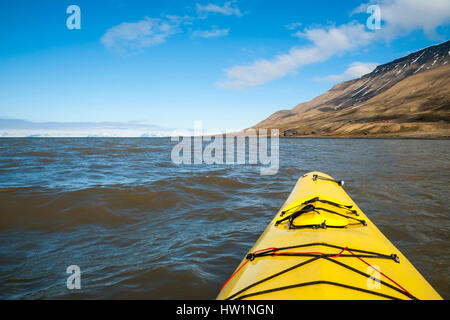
(403, 16)
(326, 43)
(229, 8)
(355, 70)
(400, 17)
(213, 33)
(293, 25)
(130, 36)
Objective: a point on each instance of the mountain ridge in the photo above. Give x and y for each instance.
(407, 97)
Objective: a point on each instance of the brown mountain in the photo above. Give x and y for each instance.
(408, 97)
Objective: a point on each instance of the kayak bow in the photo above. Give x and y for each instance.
(320, 245)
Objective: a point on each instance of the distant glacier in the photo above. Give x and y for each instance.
(24, 128)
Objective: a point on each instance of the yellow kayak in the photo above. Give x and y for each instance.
(320, 245)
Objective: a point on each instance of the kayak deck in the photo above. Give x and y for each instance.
(320, 245)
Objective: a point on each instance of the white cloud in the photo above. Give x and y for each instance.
(339, 39)
(23, 128)
(229, 8)
(403, 16)
(142, 34)
(214, 33)
(293, 25)
(326, 43)
(358, 69)
(355, 70)
(399, 17)
(134, 36)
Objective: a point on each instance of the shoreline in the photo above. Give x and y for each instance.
(240, 134)
(365, 137)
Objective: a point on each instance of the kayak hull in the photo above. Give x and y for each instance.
(335, 272)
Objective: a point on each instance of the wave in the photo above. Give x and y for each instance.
(142, 227)
(36, 208)
(60, 210)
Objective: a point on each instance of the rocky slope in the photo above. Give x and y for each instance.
(408, 97)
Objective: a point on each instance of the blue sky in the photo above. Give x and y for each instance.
(229, 64)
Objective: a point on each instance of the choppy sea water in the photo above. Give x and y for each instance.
(141, 227)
